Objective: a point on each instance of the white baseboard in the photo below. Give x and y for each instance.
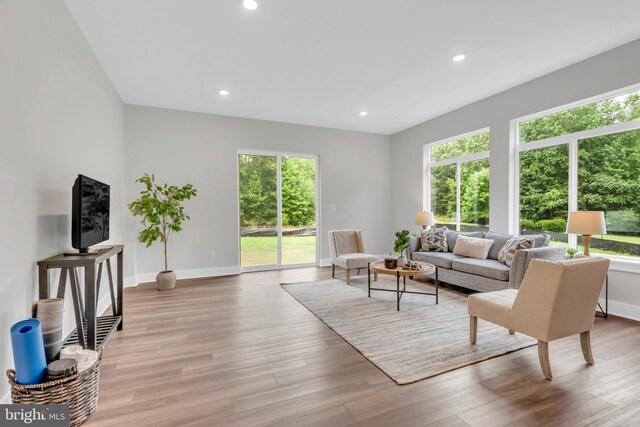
(183, 274)
(621, 309)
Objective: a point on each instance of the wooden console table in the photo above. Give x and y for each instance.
(97, 330)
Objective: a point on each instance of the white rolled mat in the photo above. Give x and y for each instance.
(85, 358)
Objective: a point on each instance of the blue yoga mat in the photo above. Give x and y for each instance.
(28, 352)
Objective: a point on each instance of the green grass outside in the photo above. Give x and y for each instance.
(602, 251)
(621, 238)
(264, 250)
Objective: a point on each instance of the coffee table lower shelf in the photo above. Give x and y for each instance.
(401, 273)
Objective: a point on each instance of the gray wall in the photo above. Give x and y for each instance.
(59, 116)
(611, 70)
(183, 147)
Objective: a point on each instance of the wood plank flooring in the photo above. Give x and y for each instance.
(240, 351)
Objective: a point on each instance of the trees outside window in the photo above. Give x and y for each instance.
(583, 158)
(457, 176)
(277, 206)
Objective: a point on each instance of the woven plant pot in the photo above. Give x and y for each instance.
(166, 280)
(79, 391)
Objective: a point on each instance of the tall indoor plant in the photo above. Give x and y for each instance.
(162, 211)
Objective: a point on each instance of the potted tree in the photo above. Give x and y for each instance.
(401, 243)
(162, 211)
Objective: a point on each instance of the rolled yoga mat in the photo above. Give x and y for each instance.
(49, 312)
(28, 352)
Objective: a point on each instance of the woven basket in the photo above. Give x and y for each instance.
(79, 391)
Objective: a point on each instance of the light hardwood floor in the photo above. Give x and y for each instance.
(240, 351)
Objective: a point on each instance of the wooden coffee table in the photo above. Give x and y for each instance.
(379, 268)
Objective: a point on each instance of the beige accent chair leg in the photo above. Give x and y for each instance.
(348, 276)
(585, 342)
(473, 329)
(333, 270)
(358, 273)
(543, 355)
(512, 332)
(375, 277)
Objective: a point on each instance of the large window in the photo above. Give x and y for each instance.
(583, 158)
(457, 181)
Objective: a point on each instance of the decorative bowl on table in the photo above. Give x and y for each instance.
(413, 266)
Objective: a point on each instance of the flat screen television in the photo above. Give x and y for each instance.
(90, 213)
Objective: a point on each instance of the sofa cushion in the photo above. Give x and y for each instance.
(439, 259)
(472, 247)
(499, 241)
(355, 260)
(490, 268)
(514, 244)
(434, 240)
(541, 239)
(493, 306)
(452, 237)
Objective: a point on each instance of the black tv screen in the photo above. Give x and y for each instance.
(90, 213)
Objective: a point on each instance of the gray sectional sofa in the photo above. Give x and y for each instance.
(489, 274)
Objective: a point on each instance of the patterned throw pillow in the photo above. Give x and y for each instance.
(515, 243)
(472, 247)
(434, 240)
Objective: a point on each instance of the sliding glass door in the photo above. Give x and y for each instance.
(258, 178)
(278, 210)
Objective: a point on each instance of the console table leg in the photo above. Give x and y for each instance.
(90, 305)
(43, 282)
(111, 290)
(62, 284)
(76, 306)
(98, 279)
(120, 288)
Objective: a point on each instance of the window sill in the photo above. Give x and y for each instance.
(626, 264)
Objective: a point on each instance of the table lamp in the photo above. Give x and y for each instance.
(586, 223)
(424, 219)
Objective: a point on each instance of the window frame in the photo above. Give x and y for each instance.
(572, 140)
(458, 161)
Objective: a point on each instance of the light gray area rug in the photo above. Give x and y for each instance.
(420, 341)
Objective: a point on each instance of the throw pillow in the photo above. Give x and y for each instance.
(472, 247)
(509, 249)
(434, 240)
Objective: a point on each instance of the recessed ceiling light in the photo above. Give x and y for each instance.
(223, 92)
(363, 113)
(250, 4)
(459, 57)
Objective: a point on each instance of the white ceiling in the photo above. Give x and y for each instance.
(322, 62)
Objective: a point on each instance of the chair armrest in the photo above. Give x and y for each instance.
(523, 257)
(414, 246)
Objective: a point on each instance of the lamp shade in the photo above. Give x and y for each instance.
(586, 222)
(424, 218)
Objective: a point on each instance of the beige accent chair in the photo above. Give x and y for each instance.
(347, 251)
(556, 299)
